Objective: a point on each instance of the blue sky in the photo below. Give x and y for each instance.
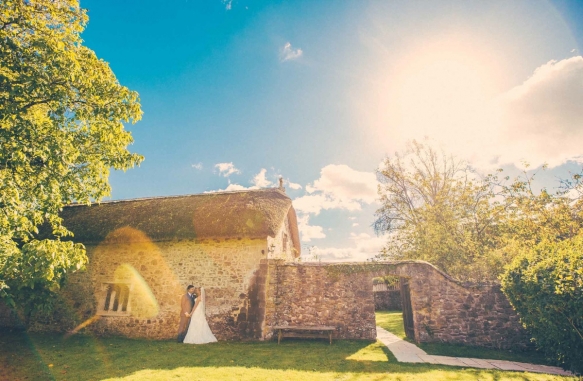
(238, 93)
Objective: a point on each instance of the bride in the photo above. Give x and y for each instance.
(199, 331)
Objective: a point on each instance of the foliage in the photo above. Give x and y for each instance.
(389, 280)
(545, 286)
(435, 209)
(528, 217)
(61, 130)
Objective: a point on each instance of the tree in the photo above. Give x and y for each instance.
(435, 209)
(528, 216)
(544, 283)
(61, 131)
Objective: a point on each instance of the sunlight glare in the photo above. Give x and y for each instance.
(144, 303)
(441, 90)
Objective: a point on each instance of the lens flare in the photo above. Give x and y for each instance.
(91, 320)
(143, 303)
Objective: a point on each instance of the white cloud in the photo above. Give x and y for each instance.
(541, 120)
(365, 247)
(237, 187)
(228, 4)
(197, 166)
(288, 53)
(233, 187)
(226, 169)
(450, 100)
(294, 186)
(307, 231)
(355, 224)
(339, 187)
(316, 202)
(260, 181)
(343, 182)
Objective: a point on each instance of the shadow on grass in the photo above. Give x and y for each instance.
(83, 357)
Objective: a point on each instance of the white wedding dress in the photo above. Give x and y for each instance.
(199, 331)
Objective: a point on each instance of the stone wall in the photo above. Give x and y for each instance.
(341, 295)
(248, 293)
(389, 300)
(309, 294)
(158, 272)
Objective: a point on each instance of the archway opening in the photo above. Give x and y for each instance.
(392, 301)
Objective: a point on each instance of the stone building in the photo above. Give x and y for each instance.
(144, 252)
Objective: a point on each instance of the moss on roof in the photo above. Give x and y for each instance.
(243, 214)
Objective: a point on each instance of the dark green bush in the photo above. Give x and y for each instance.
(545, 286)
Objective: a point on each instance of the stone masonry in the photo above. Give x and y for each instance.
(248, 293)
(341, 295)
(229, 270)
(387, 300)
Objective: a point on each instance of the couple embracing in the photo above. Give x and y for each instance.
(194, 329)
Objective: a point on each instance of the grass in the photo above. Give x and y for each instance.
(392, 321)
(83, 357)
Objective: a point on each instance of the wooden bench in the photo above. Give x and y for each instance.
(309, 331)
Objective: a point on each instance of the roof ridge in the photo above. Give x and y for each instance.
(276, 189)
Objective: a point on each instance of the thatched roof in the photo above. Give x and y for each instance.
(241, 214)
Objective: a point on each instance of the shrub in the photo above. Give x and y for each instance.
(545, 286)
(389, 280)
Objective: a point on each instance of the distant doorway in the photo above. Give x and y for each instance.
(392, 294)
(408, 321)
(387, 293)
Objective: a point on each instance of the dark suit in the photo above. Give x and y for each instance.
(186, 304)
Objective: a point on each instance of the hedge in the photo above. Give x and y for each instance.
(545, 286)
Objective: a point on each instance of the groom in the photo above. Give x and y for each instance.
(186, 304)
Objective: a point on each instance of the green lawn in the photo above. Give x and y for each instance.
(393, 321)
(83, 357)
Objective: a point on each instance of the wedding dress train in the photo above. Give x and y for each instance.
(199, 331)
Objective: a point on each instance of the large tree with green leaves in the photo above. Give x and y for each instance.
(61, 131)
(528, 215)
(544, 283)
(434, 208)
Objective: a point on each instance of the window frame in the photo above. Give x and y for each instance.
(105, 292)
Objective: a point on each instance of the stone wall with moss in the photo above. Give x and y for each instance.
(341, 295)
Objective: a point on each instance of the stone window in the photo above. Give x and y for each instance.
(115, 299)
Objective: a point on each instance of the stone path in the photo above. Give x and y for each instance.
(407, 352)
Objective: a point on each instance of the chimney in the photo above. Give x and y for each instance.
(281, 188)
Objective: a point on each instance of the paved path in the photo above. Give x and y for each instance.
(407, 352)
